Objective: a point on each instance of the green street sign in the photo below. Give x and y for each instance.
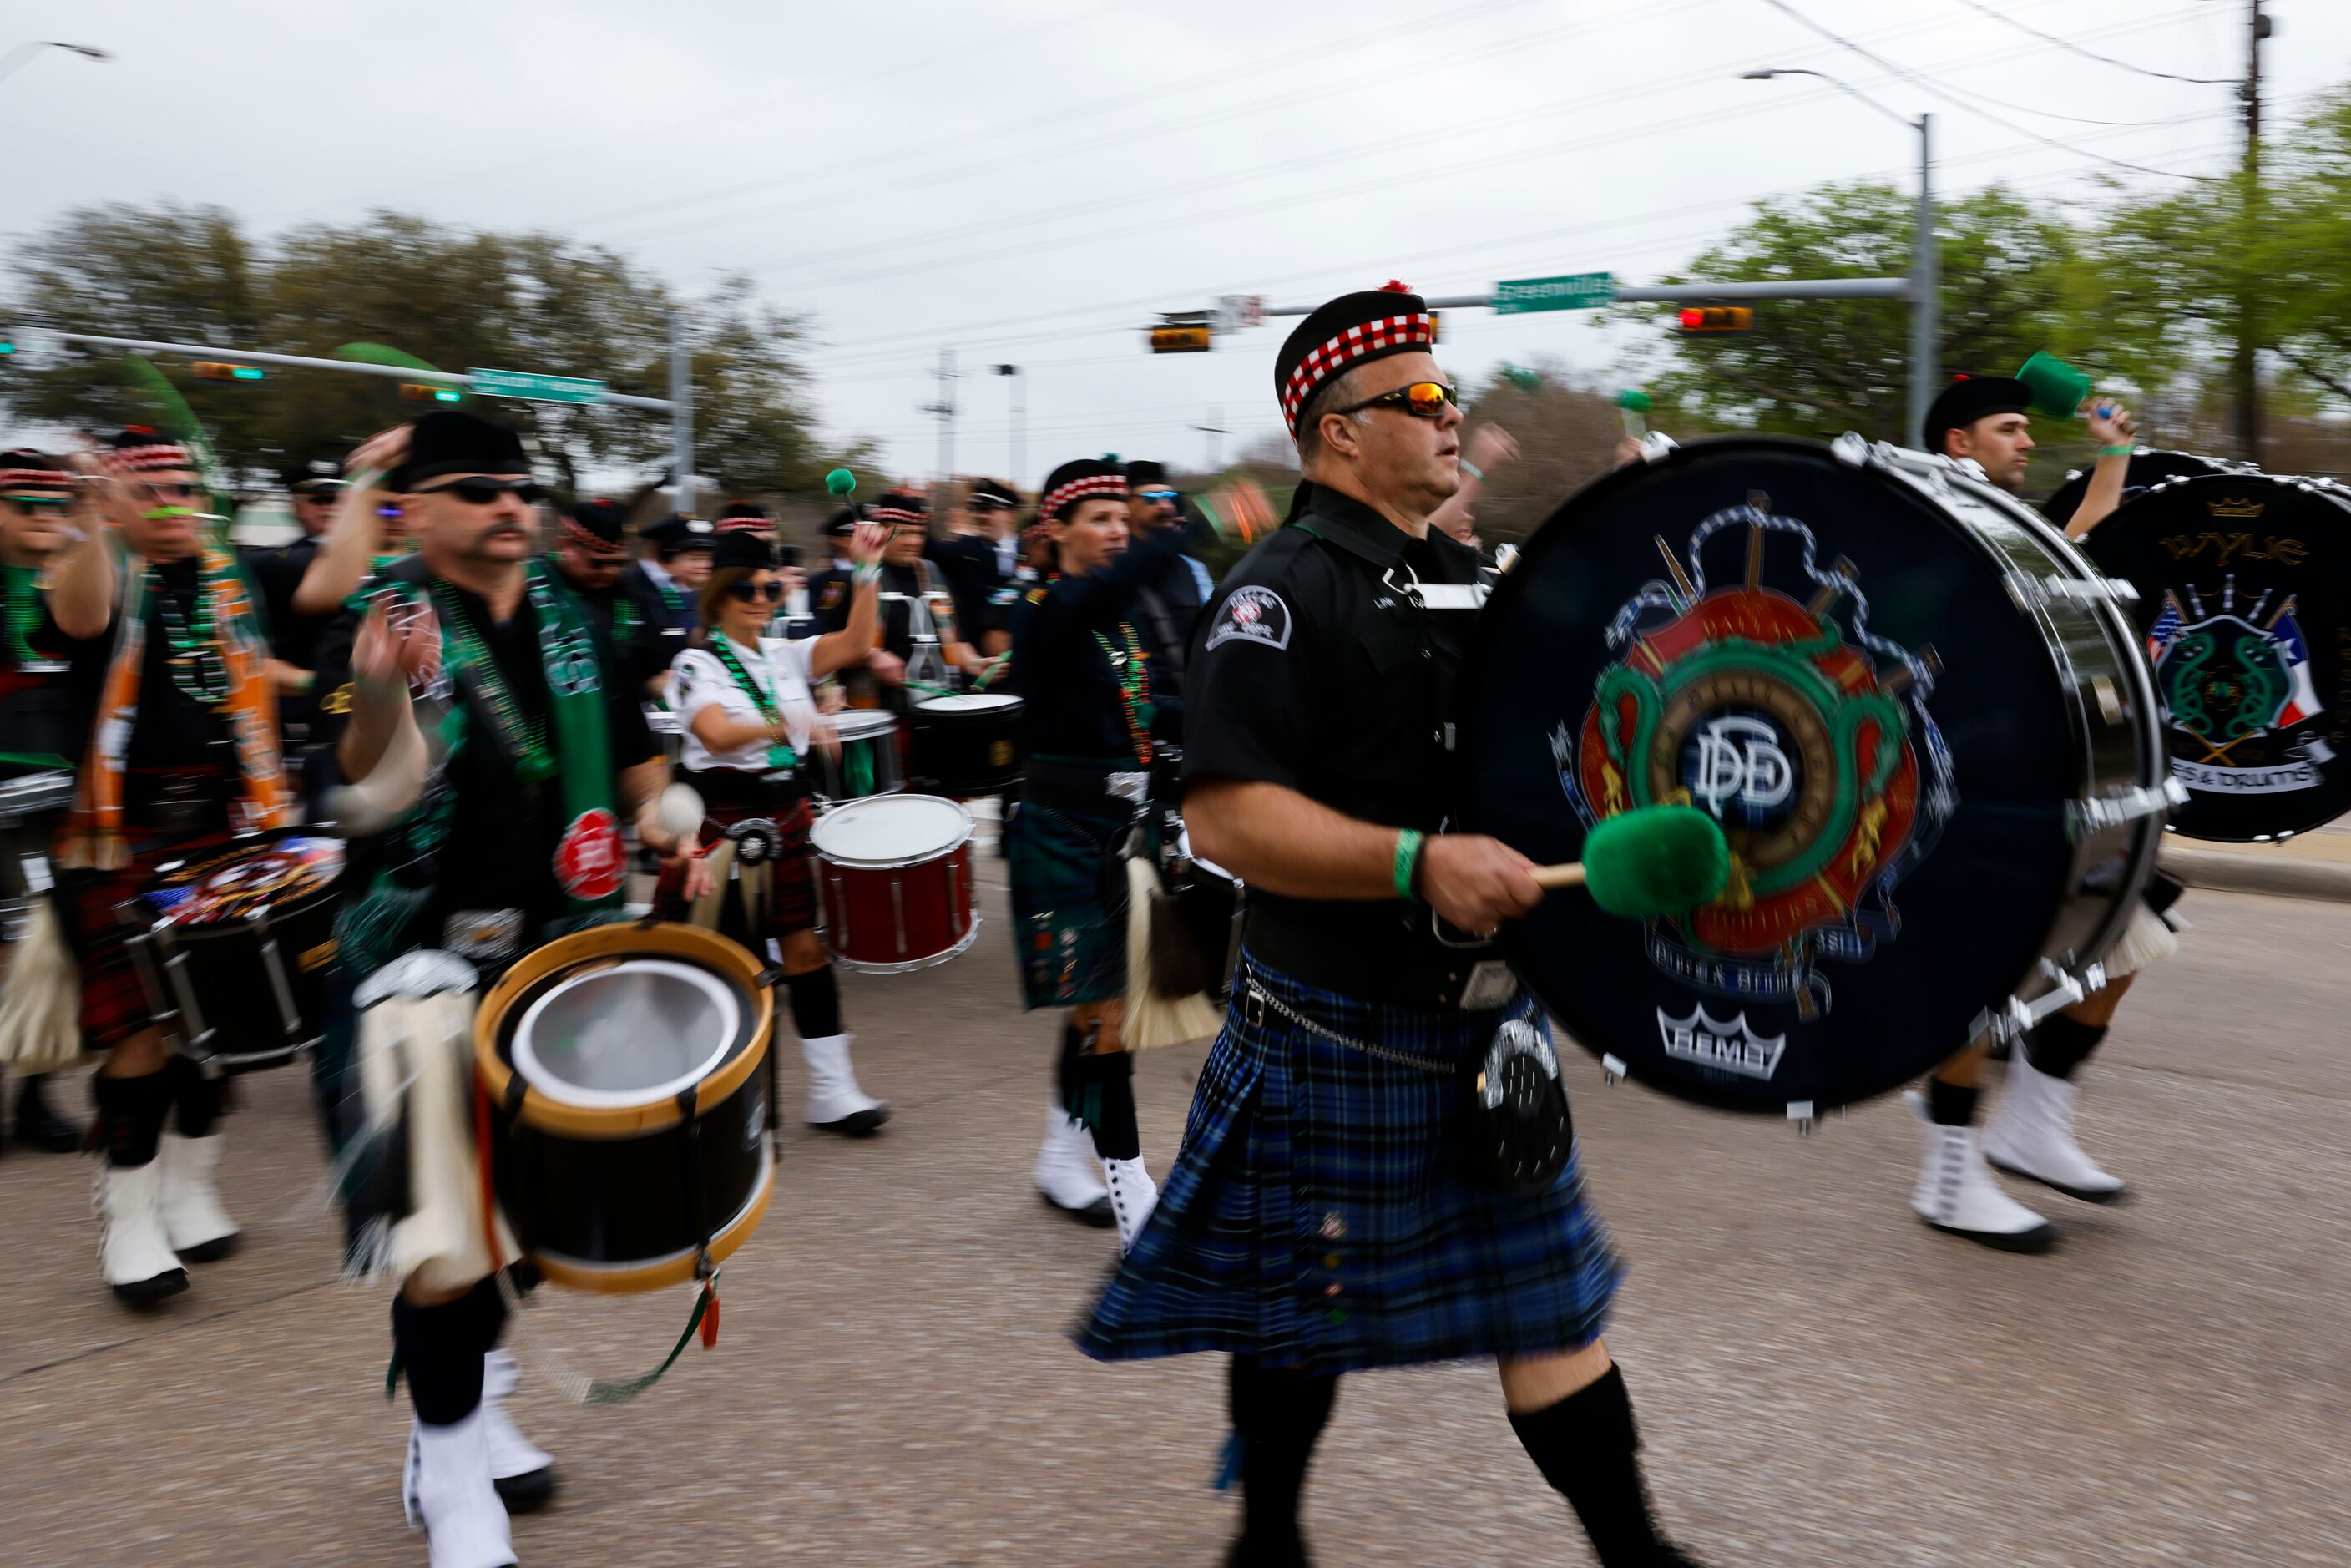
(1576, 291)
(533, 388)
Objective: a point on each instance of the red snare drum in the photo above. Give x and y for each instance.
(894, 875)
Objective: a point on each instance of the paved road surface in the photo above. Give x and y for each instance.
(1821, 1380)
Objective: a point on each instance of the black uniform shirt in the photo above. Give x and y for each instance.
(1316, 671)
(172, 729)
(919, 580)
(968, 563)
(1072, 700)
(278, 573)
(36, 706)
(503, 835)
(1171, 601)
(667, 617)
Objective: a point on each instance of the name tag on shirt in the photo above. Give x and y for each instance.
(1451, 595)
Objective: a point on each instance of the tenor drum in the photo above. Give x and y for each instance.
(2149, 468)
(622, 1066)
(1920, 716)
(967, 744)
(2244, 599)
(237, 946)
(867, 763)
(894, 876)
(26, 801)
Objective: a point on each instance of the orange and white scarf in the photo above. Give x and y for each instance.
(92, 833)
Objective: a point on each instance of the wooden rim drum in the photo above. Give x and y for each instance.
(893, 876)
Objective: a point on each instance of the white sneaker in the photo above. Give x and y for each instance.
(1065, 1170)
(835, 1102)
(449, 1496)
(523, 1472)
(2031, 1134)
(200, 1229)
(1956, 1192)
(133, 1254)
(1132, 1195)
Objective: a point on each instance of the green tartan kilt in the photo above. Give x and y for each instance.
(1069, 940)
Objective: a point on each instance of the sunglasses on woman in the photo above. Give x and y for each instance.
(480, 492)
(1422, 400)
(752, 592)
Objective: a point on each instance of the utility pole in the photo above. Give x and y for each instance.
(681, 413)
(1925, 296)
(2246, 371)
(1019, 422)
(1213, 429)
(944, 409)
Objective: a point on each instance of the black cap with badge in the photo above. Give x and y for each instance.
(673, 536)
(317, 475)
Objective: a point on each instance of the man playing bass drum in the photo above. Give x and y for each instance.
(1324, 1216)
(514, 838)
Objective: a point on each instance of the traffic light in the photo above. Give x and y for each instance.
(1180, 338)
(425, 392)
(1698, 318)
(6, 348)
(222, 371)
(1436, 326)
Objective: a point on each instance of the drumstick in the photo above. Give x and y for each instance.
(1654, 860)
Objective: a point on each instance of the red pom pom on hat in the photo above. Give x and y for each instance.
(1392, 287)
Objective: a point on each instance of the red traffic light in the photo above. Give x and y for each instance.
(1716, 318)
(220, 370)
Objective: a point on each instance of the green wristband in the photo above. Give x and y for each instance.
(2117, 451)
(1408, 860)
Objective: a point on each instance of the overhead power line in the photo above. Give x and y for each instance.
(2092, 54)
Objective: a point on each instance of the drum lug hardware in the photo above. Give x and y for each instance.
(1852, 449)
(769, 978)
(1656, 447)
(1612, 1068)
(2029, 593)
(2085, 817)
(1800, 1111)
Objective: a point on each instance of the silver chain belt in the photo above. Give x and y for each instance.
(1260, 1000)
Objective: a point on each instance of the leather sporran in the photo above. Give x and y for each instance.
(1516, 1132)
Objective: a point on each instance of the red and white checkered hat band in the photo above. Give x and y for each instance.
(1371, 338)
(153, 459)
(894, 515)
(1080, 489)
(740, 524)
(591, 541)
(34, 479)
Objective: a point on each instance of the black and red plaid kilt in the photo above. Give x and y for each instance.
(791, 895)
(98, 927)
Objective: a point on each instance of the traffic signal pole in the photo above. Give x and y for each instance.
(1689, 294)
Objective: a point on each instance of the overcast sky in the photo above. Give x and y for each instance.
(1028, 181)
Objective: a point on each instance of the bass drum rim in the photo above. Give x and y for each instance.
(1925, 475)
(634, 939)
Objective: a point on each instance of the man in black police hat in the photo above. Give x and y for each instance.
(1985, 420)
(970, 558)
(1315, 768)
(664, 585)
(297, 607)
(1172, 600)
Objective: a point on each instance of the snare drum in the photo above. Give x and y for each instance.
(25, 803)
(968, 743)
(894, 874)
(236, 951)
(624, 1068)
(867, 763)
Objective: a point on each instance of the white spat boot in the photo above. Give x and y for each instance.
(835, 1102)
(523, 1472)
(1066, 1170)
(2030, 1134)
(1956, 1193)
(199, 1229)
(450, 1497)
(134, 1256)
(1132, 1195)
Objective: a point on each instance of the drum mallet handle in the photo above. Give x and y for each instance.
(1652, 860)
(1551, 878)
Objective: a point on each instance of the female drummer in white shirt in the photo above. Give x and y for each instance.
(747, 715)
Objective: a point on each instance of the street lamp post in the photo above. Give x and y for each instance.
(15, 59)
(1925, 328)
(1019, 422)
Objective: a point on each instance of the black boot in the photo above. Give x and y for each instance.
(39, 1127)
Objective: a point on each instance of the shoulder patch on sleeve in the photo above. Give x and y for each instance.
(833, 592)
(1037, 595)
(1254, 613)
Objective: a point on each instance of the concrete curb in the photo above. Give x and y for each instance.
(2271, 873)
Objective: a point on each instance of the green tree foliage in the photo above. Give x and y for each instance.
(455, 298)
(1821, 367)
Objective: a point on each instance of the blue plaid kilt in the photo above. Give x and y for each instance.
(1071, 945)
(1318, 1216)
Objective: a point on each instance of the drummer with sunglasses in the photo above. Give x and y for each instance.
(1324, 1215)
(36, 500)
(511, 838)
(747, 710)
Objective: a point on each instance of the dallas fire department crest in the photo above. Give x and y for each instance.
(1774, 709)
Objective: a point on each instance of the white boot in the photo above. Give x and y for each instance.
(2031, 1134)
(835, 1102)
(200, 1229)
(1132, 1195)
(449, 1496)
(1065, 1170)
(133, 1255)
(523, 1472)
(1956, 1192)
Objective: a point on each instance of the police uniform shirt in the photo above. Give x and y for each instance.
(503, 834)
(667, 617)
(278, 573)
(1071, 701)
(172, 729)
(1171, 601)
(968, 563)
(1315, 670)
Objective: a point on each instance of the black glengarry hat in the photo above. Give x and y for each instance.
(1350, 331)
(1971, 398)
(1083, 480)
(745, 514)
(741, 547)
(599, 527)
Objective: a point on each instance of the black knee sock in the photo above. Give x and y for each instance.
(200, 1100)
(816, 1003)
(130, 1112)
(1277, 1414)
(441, 1349)
(1587, 1447)
(2059, 1044)
(1099, 1090)
(1950, 1105)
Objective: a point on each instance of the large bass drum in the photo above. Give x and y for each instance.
(2150, 467)
(1922, 721)
(2244, 597)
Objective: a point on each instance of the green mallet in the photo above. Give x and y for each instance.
(1633, 407)
(2057, 387)
(1654, 860)
(839, 482)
